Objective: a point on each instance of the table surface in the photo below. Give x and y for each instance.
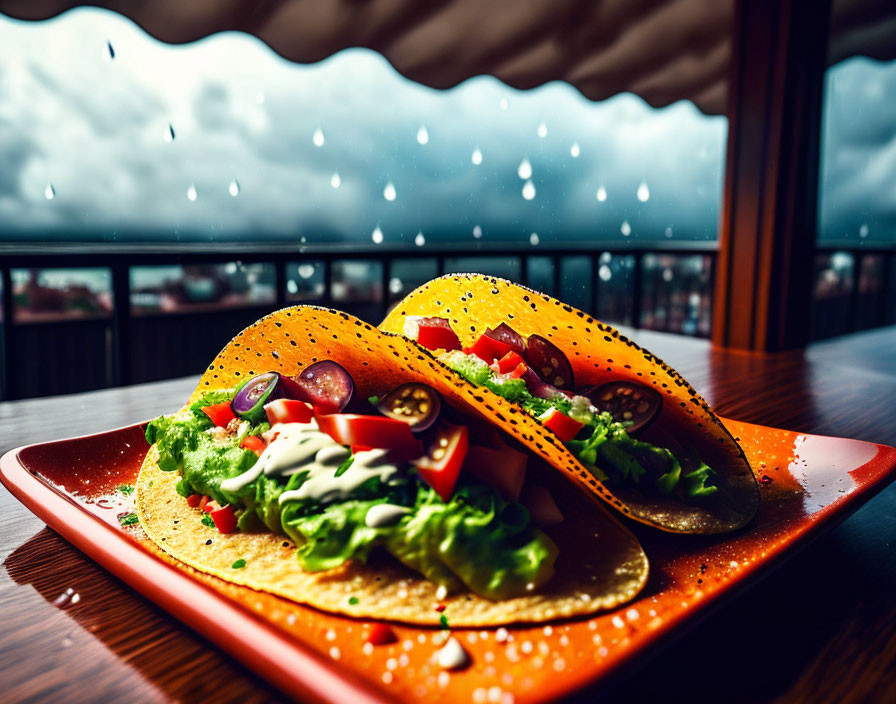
(821, 628)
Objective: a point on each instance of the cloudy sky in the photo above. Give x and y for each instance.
(222, 139)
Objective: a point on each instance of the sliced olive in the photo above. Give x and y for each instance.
(248, 403)
(549, 362)
(326, 385)
(537, 387)
(416, 404)
(506, 334)
(628, 402)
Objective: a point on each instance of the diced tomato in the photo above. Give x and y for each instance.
(441, 467)
(564, 427)
(436, 334)
(499, 466)
(254, 443)
(509, 362)
(381, 634)
(371, 431)
(223, 516)
(203, 502)
(193, 500)
(220, 413)
(488, 349)
(519, 371)
(360, 448)
(286, 410)
(209, 505)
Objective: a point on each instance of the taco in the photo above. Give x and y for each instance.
(324, 461)
(609, 414)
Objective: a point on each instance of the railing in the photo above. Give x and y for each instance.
(659, 285)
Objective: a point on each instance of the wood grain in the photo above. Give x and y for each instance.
(822, 628)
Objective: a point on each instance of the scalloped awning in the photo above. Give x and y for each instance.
(662, 50)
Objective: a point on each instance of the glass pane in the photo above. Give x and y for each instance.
(615, 274)
(575, 282)
(540, 272)
(869, 310)
(505, 267)
(201, 287)
(676, 293)
(305, 282)
(357, 288)
(408, 274)
(832, 294)
(46, 295)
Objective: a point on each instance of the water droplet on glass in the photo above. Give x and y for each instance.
(667, 274)
(605, 273)
(110, 52)
(533, 239)
(292, 286)
(377, 235)
(863, 231)
(169, 134)
(395, 285)
(542, 130)
(306, 271)
(643, 192)
(318, 137)
(528, 190)
(336, 180)
(625, 228)
(422, 135)
(574, 150)
(504, 104)
(419, 240)
(668, 232)
(191, 192)
(477, 157)
(601, 194)
(49, 192)
(524, 170)
(389, 192)
(64, 599)
(234, 188)
(477, 232)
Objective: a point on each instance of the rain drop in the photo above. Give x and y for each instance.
(292, 287)
(169, 133)
(306, 271)
(336, 180)
(542, 130)
(422, 135)
(625, 228)
(377, 235)
(528, 190)
(601, 194)
(395, 285)
(49, 192)
(318, 137)
(110, 51)
(668, 232)
(574, 150)
(605, 273)
(234, 188)
(477, 232)
(419, 240)
(643, 192)
(863, 231)
(191, 192)
(667, 275)
(389, 192)
(524, 170)
(533, 239)
(477, 157)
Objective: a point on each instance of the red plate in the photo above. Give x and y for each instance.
(807, 482)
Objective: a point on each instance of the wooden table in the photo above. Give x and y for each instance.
(821, 628)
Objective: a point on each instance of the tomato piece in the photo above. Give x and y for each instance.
(203, 502)
(254, 443)
(436, 334)
(488, 349)
(285, 410)
(223, 516)
(564, 427)
(499, 466)
(381, 634)
(193, 500)
(370, 431)
(441, 466)
(210, 505)
(509, 362)
(519, 371)
(219, 413)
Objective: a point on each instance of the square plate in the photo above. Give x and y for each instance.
(807, 483)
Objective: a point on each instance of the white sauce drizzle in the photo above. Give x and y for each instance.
(382, 515)
(323, 486)
(452, 655)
